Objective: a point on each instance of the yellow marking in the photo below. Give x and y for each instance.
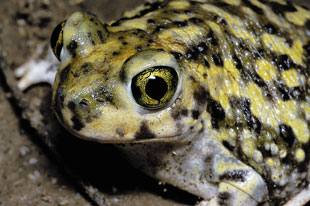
(232, 2)
(223, 83)
(248, 144)
(183, 36)
(289, 114)
(290, 77)
(278, 44)
(306, 109)
(265, 70)
(258, 104)
(299, 17)
(138, 23)
(236, 25)
(300, 155)
(179, 4)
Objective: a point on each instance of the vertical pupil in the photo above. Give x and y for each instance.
(156, 87)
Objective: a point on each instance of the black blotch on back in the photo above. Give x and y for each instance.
(281, 9)
(256, 9)
(217, 59)
(283, 62)
(211, 38)
(176, 55)
(237, 62)
(72, 46)
(270, 29)
(307, 48)
(287, 134)
(195, 20)
(207, 64)
(180, 24)
(234, 175)
(217, 112)
(144, 132)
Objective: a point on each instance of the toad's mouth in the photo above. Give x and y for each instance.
(104, 139)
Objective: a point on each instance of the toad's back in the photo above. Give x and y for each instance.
(240, 79)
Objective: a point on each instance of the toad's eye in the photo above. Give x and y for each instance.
(57, 39)
(153, 88)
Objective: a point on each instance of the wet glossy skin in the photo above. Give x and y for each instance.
(216, 93)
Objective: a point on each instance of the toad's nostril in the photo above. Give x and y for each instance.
(84, 103)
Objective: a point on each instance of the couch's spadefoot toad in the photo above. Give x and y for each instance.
(214, 94)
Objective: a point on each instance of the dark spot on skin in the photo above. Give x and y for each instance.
(124, 43)
(76, 75)
(144, 132)
(139, 48)
(159, 28)
(223, 198)
(211, 38)
(307, 48)
(237, 62)
(77, 124)
(192, 53)
(257, 79)
(177, 113)
(201, 95)
(256, 9)
(115, 53)
(193, 2)
(151, 21)
(120, 38)
(195, 20)
(180, 24)
(72, 106)
(176, 55)
(195, 114)
(207, 64)
(187, 12)
(99, 33)
(283, 62)
(228, 146)
(205, 75)
(234, 175)
(287, 134)
(270, 28)
(216, 58)
(217, 112)
(281, 9)
(202, 47)
(251, 120)
(72, 46)
(64, 74)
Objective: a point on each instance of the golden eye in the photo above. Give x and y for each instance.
(57, 39)
(153, 88)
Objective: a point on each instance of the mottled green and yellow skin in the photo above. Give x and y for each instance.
(233, 130)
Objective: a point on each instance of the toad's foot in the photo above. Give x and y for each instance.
(41, 67)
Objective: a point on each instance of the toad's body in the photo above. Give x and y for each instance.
(216, 94)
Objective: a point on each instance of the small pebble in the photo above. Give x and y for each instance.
(32, 161)
(35, 175)
(23, 150)
(62, 201)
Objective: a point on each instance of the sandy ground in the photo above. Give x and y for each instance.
(28, 175)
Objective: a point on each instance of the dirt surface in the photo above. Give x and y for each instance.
(29, 174)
